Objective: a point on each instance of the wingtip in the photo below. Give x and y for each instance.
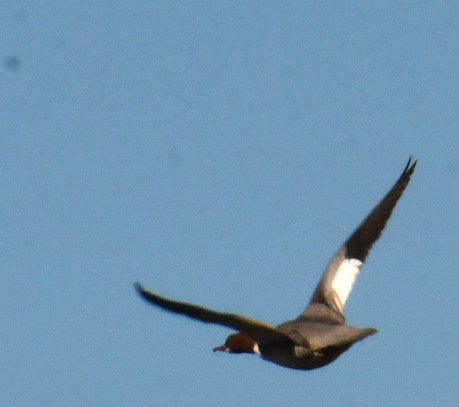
(410, 166)
(139, 287)
(144, 293)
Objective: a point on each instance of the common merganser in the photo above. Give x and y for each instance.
(319, 335)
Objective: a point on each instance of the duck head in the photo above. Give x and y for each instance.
(238, 343)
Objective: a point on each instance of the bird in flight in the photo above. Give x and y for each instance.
(320, 334)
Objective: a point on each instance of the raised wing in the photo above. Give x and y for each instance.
(336, 284)
(256, 330)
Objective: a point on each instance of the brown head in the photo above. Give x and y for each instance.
(238, 343)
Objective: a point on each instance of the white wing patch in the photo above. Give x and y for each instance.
(345, 278)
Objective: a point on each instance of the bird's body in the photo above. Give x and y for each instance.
(316, 343)
(320, 334)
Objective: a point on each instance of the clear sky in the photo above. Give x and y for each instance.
(220, 152)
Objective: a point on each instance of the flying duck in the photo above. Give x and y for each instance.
(320, 334)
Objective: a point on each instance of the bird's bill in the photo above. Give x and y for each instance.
(221, 348)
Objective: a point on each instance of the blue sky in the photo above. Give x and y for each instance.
(220, 152)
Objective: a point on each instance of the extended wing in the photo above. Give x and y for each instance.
(256, 330)
(336, 284)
